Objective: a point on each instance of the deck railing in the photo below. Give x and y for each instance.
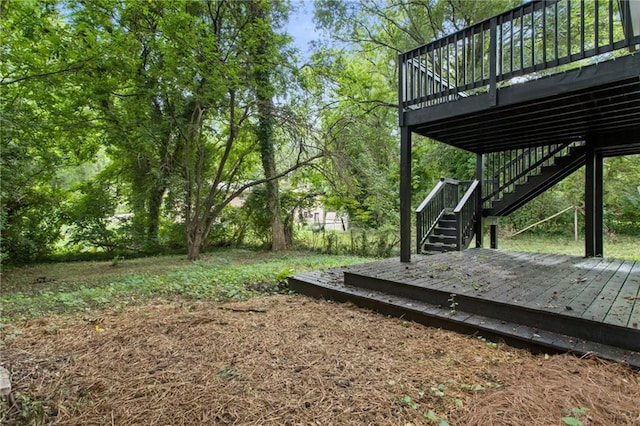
(466, 215)
(443, 198)
(503, 170)
(540, 37)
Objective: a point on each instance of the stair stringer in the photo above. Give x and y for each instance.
(538, 184)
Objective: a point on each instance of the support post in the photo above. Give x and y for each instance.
(405, 194)
(593, 201)
(494, 233)
(599, 206)
(479, 207)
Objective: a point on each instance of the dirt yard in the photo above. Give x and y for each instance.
(290, 360)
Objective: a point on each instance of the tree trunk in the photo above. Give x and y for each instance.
(153, 217)
(195, 239)
(264, 93)
(193, 253)
(278, 238)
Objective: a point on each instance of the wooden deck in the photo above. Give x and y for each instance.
(553, 302)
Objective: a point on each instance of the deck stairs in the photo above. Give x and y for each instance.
(446, 220)
(443, 236)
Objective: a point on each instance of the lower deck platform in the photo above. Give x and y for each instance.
(541, 301)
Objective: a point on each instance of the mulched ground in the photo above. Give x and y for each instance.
(291, 360)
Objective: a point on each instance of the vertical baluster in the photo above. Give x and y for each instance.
(493, 73)
(544, 35)
(509, 167)
(410, 77)
(533, 35)
(514, 165)
(520, 161)
(511, 44)
(421, 74)
(433, 71)
(610, 24)
(472, 47)
(499, 49)
(464, 59)
(555, 31)
(482, 35)
(522, 40)
(455, 62)
(448, 78)
(441, 86)
(416, 74)
(569, 29)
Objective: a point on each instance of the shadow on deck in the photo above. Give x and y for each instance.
(539, 301)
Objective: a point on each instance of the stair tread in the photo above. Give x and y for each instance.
(443, 236)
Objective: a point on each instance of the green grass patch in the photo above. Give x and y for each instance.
(615, 247)
(223, 275)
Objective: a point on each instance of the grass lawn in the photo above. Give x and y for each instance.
(617, 247)
(228, 274)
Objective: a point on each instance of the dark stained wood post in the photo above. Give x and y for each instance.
(480, 178)
(493, 61)
(494, 234)
(593, 201)
(405, 194)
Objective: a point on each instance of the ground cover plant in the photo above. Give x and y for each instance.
(225, 274)
(233, 355)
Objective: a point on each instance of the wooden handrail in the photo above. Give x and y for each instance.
(466, 196)
(466, 214)
(436, 189)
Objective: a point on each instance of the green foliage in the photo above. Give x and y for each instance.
(219, 276)
(232, 228)
(574, 418)
(28, 411)
(257, 213)
(407, 401)
(622, 194)
(158, 109)
(356, 241)
(92, 220)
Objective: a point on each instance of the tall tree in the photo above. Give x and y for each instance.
(44, 129)
(265, 60)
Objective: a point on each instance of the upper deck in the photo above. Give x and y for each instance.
(544, 72)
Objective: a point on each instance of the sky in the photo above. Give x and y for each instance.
(300, 25)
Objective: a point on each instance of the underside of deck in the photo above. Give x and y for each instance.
(543, 302)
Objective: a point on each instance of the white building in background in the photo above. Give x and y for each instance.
(320, 219)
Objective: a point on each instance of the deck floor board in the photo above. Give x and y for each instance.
(537, 298)
(634, 316)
